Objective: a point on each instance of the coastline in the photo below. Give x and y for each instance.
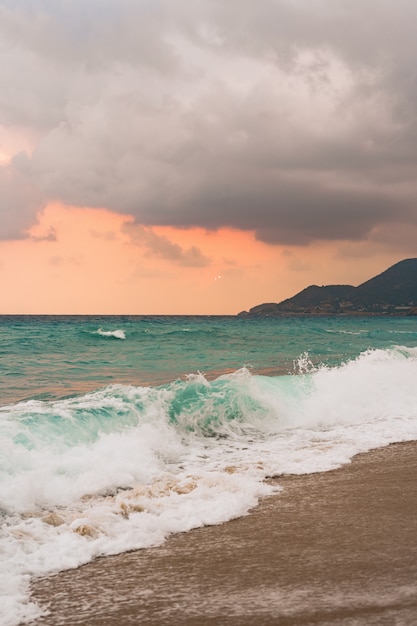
(332, 548)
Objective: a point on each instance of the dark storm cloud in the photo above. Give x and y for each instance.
(297, 120)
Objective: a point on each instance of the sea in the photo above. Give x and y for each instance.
(116, 432)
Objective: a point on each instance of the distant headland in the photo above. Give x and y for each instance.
(394, 292)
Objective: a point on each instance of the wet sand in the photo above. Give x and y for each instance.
(337, 548)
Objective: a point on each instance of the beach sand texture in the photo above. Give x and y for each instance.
(335, 548)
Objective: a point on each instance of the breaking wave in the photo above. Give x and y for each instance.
(125, 466)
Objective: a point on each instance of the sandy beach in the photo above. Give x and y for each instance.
(333, 548)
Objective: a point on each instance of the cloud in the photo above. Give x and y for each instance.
(160, 246)
(49, 236)
(20, 199)
(58, 260)
(295, 120)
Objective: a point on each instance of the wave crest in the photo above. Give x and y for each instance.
(115, 334)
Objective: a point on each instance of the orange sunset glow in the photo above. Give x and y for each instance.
(79, 260)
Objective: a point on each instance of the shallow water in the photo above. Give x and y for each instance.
(116, 432)
(331, 549)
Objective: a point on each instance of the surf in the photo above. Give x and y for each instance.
(123, 466)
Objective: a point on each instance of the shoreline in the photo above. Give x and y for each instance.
(332, 548)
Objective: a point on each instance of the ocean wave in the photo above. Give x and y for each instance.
(115, 334)
(121, 468)
(195, 333)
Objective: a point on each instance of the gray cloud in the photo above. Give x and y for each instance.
(20, 200)
(295, 120)
(162, 247)
(49, 236)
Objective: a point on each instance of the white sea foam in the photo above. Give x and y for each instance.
(124, 467)
(116, 334)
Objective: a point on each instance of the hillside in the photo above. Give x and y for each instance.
(397, 286)
(394, 291)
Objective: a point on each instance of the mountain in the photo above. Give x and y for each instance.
(391, 292)
(397, 286)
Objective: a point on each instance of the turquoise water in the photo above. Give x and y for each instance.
(116, 432)
(51, 357)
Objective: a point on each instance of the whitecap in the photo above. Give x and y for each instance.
(116, 334)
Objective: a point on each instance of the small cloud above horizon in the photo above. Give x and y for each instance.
(162, 247)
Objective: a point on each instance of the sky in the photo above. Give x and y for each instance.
(202, 156)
